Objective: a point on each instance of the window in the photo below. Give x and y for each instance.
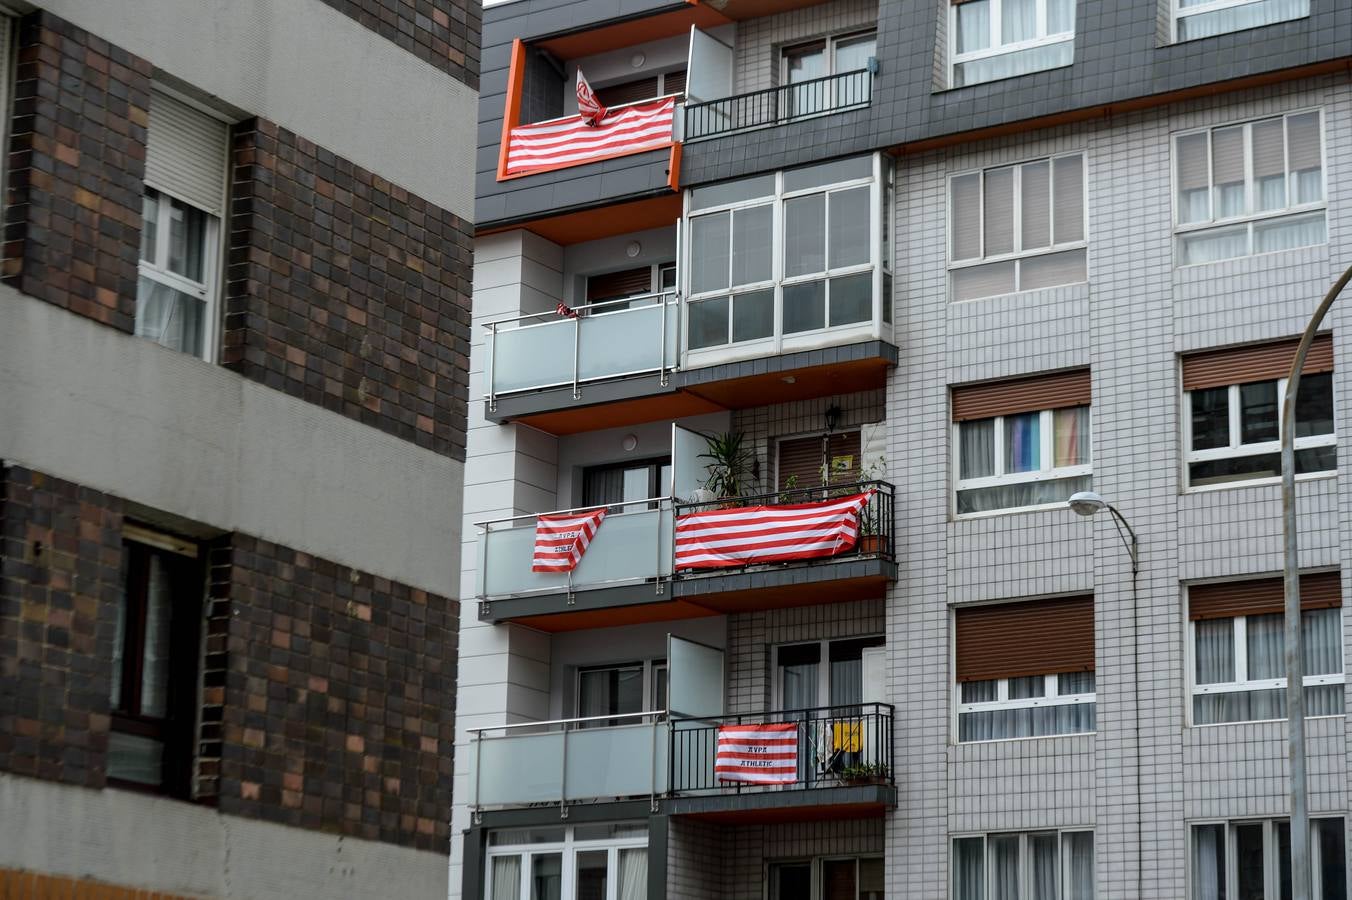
(994, 39)
(1021, 444)
(581, 862)
(1250, 860)
(156, 645)
(641, 89)
(1203, 18)
(803, 682)
(1024, 866)
(621, 690)
(1233, 407)
(1017, 228)
(184, 197)
(786, 257)
(1025, 669)
(818, 460)
(847, 878)
(1256, 187)
(621, 485)
(804, 64)
(1237, 637)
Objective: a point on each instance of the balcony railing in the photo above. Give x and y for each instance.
(609, 339)
(568, 761)
(635, 545)
(836, 746)
(777, 105)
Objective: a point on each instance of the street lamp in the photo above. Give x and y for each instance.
(1295, 663)
(1087, 503)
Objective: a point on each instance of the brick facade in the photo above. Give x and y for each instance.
(347, 291)
(60, 574)
(443, 33)
(76, 164)
(339, 700)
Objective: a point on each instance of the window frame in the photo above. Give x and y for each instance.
(157, 270)
(1019, 253)
(1238, 450)
(1176, 13)
(1247, 219)
(823, 666)
(1271, 852)
(1025, 856)
(1239, 638)
(956, 59)
(1051, 697)
(650, 669)
(829, 43)
(817, 870)
(1046, 453)
(568, 849)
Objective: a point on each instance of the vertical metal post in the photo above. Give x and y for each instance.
(577, 350)
(478, 767)
(492, 367)
(563, 775)
(1295, 662)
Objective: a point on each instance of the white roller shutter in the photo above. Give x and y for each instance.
(186, 153)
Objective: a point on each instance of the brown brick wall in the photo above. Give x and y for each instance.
(60, 577)
(444, 33)
(76, 163)
(347, 291)
(340, 698)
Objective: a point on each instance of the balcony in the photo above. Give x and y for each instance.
(778, 105)
(844, 763)
(629, 572)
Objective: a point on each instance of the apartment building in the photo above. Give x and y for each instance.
(234, 341)
(961, 260)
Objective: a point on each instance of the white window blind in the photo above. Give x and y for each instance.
(186, 153)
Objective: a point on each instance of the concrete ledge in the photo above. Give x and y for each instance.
(853, 801)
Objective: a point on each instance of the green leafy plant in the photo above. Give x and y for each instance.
(866, 772)
(790, 485)
(729, 464)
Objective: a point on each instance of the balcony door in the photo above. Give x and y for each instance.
(621, 485)
(622, 691)
(821, 684)
(802, 462)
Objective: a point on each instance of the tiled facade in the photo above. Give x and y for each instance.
(442, 33)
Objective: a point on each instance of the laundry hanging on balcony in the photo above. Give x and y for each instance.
(570, 141)
(562, 538)
(743, 536)
(757, 754)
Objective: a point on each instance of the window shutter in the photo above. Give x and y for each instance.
(627, 283)
(674, 82)
(964, 204)
(1003, 398)
(1037, 207)
(1263, 362)
(1012, 640)
(1192, 164)
(1322, 590)
(1269, 149)
(1227, 155)
(628, 91)
(1303, 144)
(999, 212)
(186, 153)
(1068, 197)
(802, 457)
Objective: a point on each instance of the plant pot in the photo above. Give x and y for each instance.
(870, 544)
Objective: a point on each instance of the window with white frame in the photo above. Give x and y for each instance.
(621, 690)
(1202, 18)
(1017, 228)
(1024, 866)
(1255, 187)
(993, 39)
(1252, 859)
(1233, 409)
(1024, 669)
(826, 878)
(578, 862)
(788, 257)
(1237, 647)
(179, 272)
(1021, 444)
(803, 64)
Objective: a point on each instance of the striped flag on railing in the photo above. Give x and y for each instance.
(742, 536)
(571, 141)
(757, 754)
(560, 540)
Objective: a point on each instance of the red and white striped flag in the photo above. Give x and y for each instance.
(588, 106)
(757, 754)
(571, 141)
(560, 540)
(718, 538)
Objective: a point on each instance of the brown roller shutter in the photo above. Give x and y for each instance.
(1262, 362)
(628, 92)
(674, 82)
(803, 457)
(1039, 637)
(1260, 596)
(629, 283)
(1003, 398)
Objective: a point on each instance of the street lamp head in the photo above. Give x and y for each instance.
(1086, 503)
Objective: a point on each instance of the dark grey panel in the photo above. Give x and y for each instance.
(803, 359)
(548, 604)
(811, 573)
(555, 399)
(548, 814)
(861, 795)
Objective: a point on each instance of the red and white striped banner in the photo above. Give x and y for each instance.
(560, 540)
(757, 754)
(745, 536)
(571, 141)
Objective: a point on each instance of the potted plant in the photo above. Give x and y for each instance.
(871, 538)
(729, 464)
(863, 773)
(786, 494)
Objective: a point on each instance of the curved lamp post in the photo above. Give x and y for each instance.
(1087, 503)
(1295, 662)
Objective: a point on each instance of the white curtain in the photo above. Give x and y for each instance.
(1079, 846)
(169, 317)
(1029, 493)
(1007, 65)
(634, 874)
(506, 878)
(974, 26)
(1238, 18)
(1004, 850)
(969, 877)
(1208, 860)
(1046, 867)
(1018, 21)
(1287, 234)
(1210, 246)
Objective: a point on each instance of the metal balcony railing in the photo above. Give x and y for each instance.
(836, 746)
(777, 105)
